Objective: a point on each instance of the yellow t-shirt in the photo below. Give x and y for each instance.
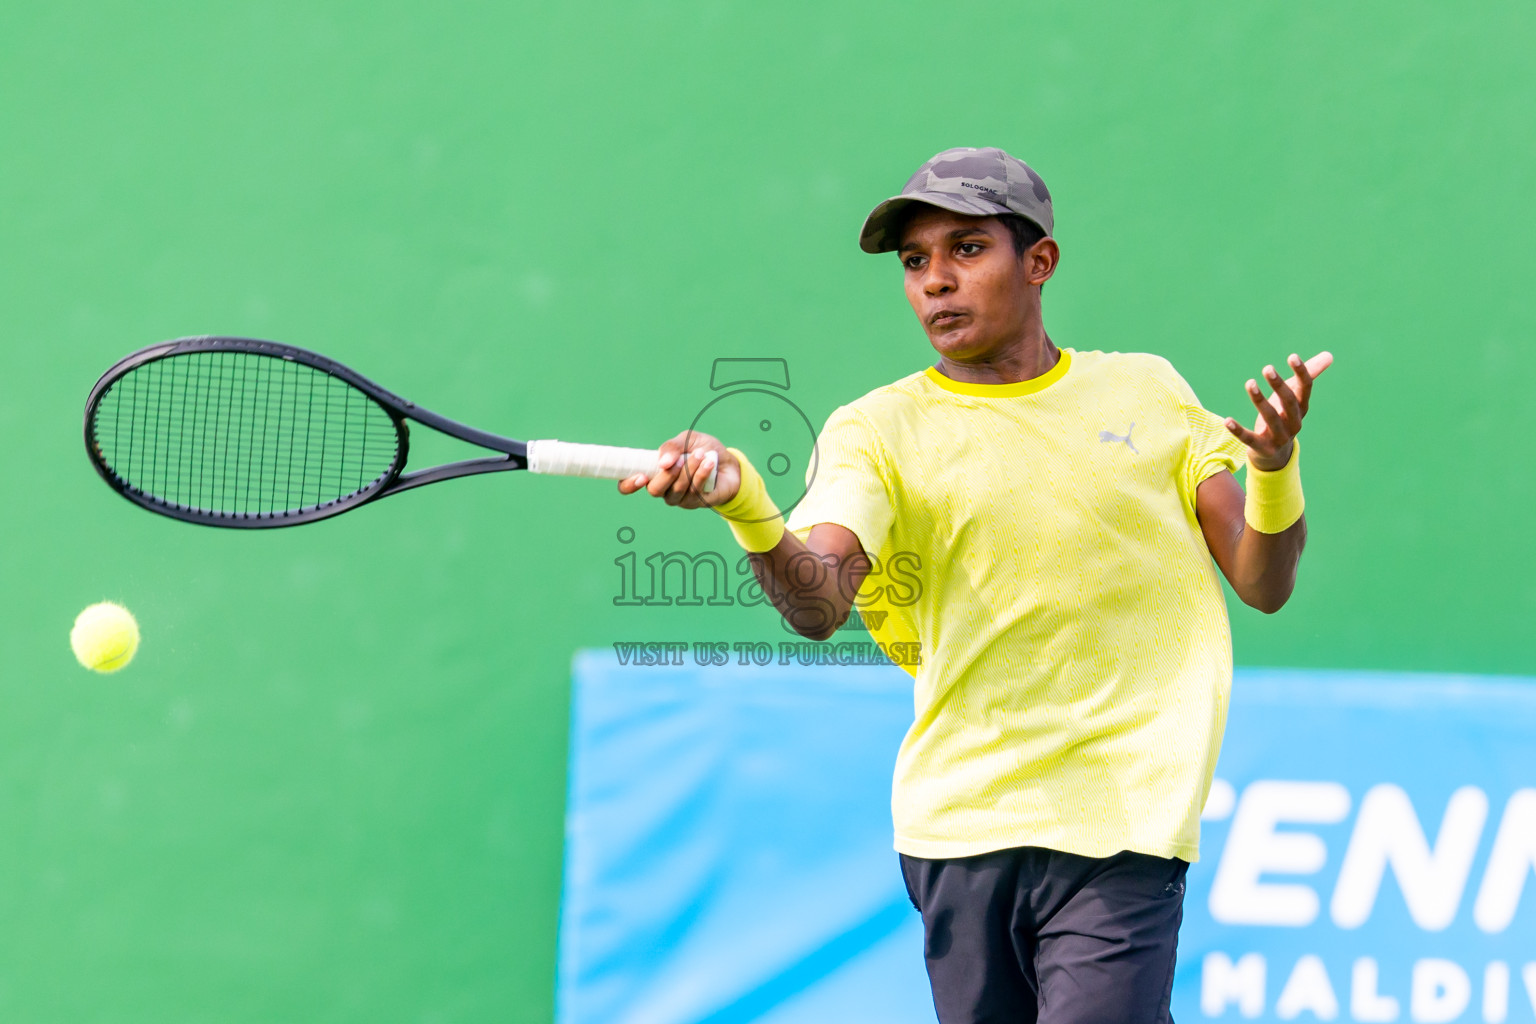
(1038, 541)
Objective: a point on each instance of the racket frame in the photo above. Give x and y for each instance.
(513, 453)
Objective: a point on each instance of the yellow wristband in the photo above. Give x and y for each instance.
(1274, 501)
(751, 514)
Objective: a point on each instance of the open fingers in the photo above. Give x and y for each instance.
(1243, 434)
(1280, 415)
(1290, 406)
(1268, 413)
(1309, 371)
(1302, 377)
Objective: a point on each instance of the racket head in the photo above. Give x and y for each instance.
(243, 433)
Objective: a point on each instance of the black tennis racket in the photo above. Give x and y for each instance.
(245, 433)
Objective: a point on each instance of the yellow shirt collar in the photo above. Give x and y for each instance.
(1023, 387)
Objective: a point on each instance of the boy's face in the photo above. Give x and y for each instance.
(973, 295)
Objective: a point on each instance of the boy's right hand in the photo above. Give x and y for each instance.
(686, 462)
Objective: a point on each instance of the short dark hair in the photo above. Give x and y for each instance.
(1025, 232)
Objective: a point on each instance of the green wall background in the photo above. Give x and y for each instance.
(331, 786)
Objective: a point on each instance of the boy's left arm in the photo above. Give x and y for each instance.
(1261, 566)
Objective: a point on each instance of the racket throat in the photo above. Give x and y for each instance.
(468, 467)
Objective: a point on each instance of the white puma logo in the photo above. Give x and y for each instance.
(1105, 435)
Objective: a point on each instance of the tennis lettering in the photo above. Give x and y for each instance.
(1264, 841)
(1275, 847)
(1437, 989)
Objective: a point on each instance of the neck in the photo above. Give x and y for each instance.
(1024, 358)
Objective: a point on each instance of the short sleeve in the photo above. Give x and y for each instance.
(1212, 448)
(847, 482)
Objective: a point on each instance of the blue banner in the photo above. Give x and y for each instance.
(1366, 852)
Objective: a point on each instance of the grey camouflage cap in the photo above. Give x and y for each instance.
(979, 182)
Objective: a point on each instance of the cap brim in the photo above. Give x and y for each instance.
(877, 235)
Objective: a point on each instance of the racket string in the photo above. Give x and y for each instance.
(242, 434)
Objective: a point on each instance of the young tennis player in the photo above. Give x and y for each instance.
(1065, 507)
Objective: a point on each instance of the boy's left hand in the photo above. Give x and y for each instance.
(1280, 415)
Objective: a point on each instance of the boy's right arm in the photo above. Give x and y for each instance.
(812, 582)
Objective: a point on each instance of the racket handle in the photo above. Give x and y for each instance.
(599, 461)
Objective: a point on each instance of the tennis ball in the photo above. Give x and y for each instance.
(105, 637)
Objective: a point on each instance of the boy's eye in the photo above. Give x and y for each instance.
(970, 248)
(912, 262)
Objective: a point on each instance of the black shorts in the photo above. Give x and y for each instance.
(1031, 934)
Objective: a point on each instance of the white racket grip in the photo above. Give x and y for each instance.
(597, 461)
